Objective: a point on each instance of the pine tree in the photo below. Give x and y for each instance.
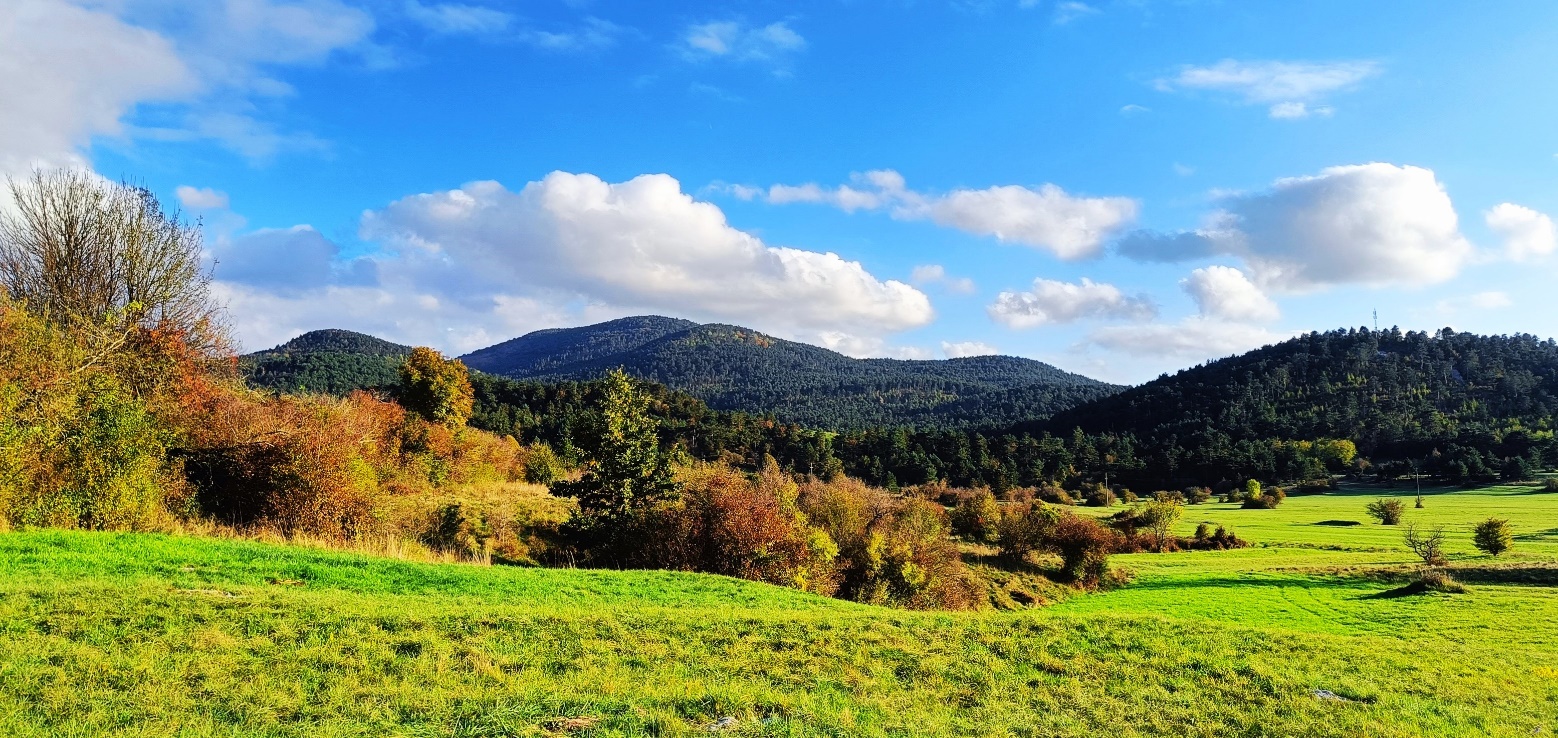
(625, 471)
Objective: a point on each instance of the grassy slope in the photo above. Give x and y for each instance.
(149, 635)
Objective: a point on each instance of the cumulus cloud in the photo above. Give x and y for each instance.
(741, 42)
(1229, 309)
(1224, 293)
(70, 72)
(1289, 87)
(1527, 233)
(1372, 224)
(468, 267)
(1044, 217)
(928, 274)
(1051, 301)
(287, 261)
(964, 349)
(200, 198)
(643, 243)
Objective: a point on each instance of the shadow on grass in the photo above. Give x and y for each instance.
(1339, 523)
(1539, 574)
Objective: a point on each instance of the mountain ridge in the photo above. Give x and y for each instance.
(736, 368)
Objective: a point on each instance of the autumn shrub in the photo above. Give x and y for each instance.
(1084, 545)
(890, 551)
(1054, 495)
(1024, 530)
(976, 517)
(301, 464)
(79, 446)
(1550, 484)
(1197, 495)
(1100, 496)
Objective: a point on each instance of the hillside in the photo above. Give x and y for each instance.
(330, 361)
(136, 634)
(1475, 400)
(735, 368)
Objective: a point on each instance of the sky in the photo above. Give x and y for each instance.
(1121, 188)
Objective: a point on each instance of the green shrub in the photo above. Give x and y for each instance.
(1493, 536)
(1386, 511)
(542, 465)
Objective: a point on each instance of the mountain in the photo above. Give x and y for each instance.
(330, 361)
(736, 368)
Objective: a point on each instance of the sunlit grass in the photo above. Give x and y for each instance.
(104, 634)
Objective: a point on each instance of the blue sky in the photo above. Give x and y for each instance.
(1119, 188)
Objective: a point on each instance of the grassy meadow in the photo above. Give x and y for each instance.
(153, 635)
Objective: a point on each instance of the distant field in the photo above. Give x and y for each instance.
(119, 634)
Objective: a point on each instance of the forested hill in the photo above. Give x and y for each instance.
(329, 361)
(1396, 395)
(735, 368)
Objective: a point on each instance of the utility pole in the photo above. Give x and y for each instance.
(1419, 480)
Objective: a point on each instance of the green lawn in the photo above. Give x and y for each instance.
(146, 635)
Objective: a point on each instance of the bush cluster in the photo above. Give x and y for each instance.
(1083, 544)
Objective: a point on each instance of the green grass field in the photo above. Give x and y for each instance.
(149, 635)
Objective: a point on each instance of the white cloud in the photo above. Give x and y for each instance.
(641, 243)
(466, 268)
(926, 274)
(1194, 339)
(1491, 300)
(1373, 224)
(1288, 87)
(287, 261)
(1297, 110)
(70, 72)
(1070, 10)
(739, 41)
(1224, 293)
(1134, 109)
(1045, 217)
(964, 349)
(455, 18)
(201, 198)
(1526, 232)
(1052, 301)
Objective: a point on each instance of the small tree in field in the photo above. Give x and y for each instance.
(1493, 536)
(436, 388)
(1386, 511)
(1159, 517)
(1429, 545)
(626, 472)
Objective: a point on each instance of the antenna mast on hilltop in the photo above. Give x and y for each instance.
(1376, 320)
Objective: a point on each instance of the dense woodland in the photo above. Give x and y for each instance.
(739, 369)
(1457, 406)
